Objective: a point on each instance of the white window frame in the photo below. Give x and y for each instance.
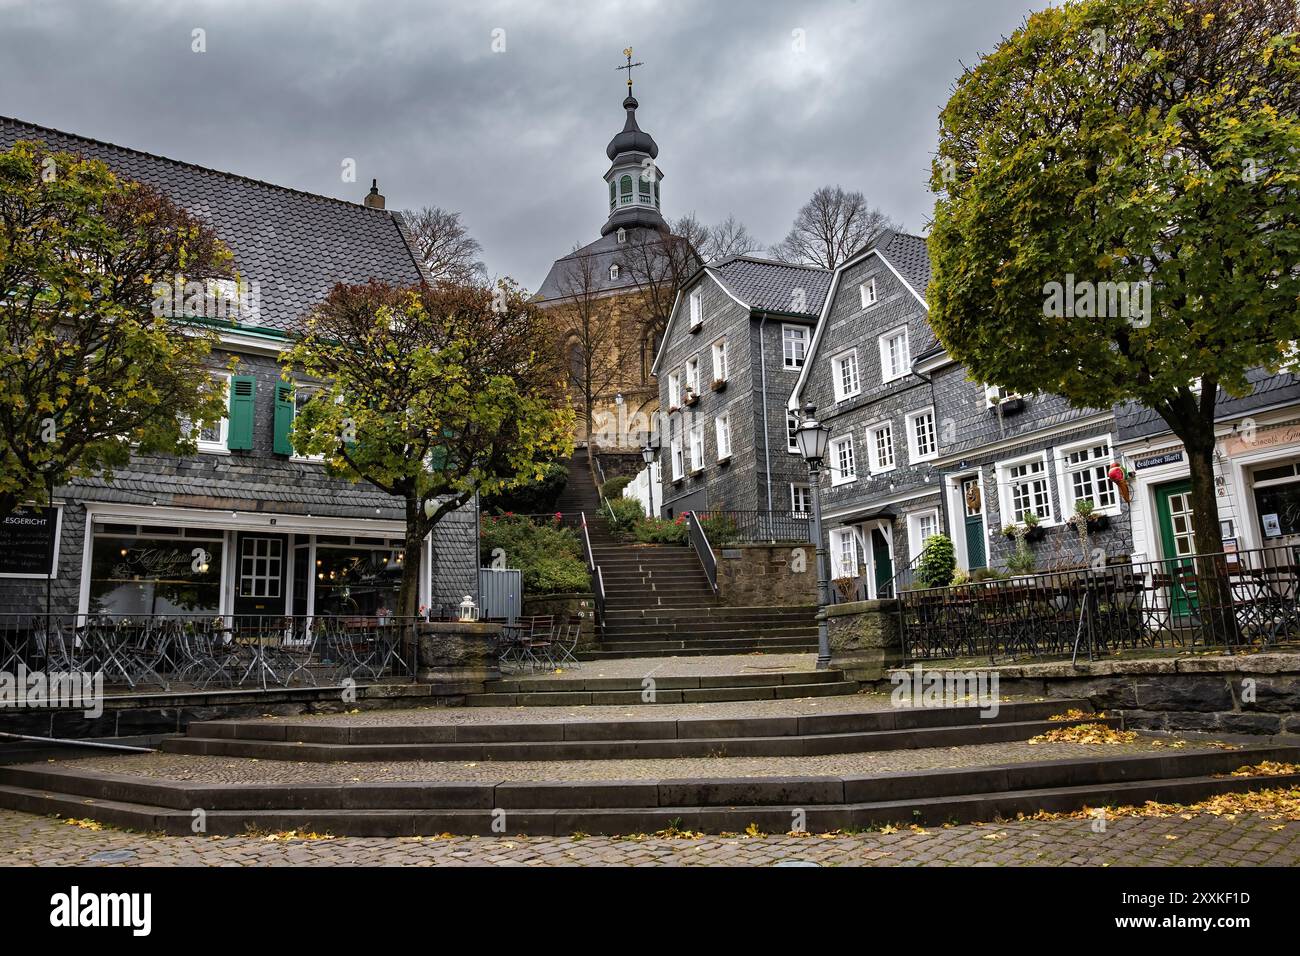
(915, 539)
(309, 390)
(693, 375)
(1006, 496)
(887, 372)
(791, 429)
(696, 300)
(678, 458)
(914, 452)
(674, 390)
(1065, 475)
(797, 491)
(839, 538)
(876, 464)
(219, 445)
(789, 361)
(613, 271)
(696, 436)
(722, 433)
(868, 294)
(719, 352)
(273, 557)
(838, 365)
(839, 474)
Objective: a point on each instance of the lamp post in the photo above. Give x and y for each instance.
(648, 455)
(812, 437)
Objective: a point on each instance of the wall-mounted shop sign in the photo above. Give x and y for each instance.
(1155, 461)
(1255, 439)
(29, 542)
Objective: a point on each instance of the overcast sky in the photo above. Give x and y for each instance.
(746, 122)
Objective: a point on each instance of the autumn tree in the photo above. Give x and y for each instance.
(830, 227)
(96, 362)
(1146, 147)
(431, 394)
(590, 333)
(449, 252)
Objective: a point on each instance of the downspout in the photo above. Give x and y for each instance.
(762, 365)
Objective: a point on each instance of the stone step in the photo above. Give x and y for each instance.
(704, 627)
(718, 612)
(712, 805)
(613, 749)
(511, 685)
(804, 647)
(688, 696)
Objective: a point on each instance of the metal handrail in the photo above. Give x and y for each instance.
(597, 578)
(700, 542)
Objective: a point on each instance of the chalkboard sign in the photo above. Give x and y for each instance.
(28, 542)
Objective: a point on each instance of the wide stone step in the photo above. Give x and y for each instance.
(659, 639)
(512, 685)
(781, 746)
(718, 612)
(677, 626)
(687, 696)
(713, 805)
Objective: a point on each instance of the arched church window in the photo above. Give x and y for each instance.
(625, 189)
(645, 190)
(613, 195)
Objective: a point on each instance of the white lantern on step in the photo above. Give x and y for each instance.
(468, 611)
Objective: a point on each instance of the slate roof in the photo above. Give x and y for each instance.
(1267, 390)
(295, 245)
(604, 252)
(909, 255)
(768, 286)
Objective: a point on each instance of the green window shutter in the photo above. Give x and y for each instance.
(625, 185)
(283, 418)
(243, 389)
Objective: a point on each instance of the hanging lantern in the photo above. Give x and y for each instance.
(1119, 478)
(468, 612)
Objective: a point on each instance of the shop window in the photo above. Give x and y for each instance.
(360, 580)
(135, 570)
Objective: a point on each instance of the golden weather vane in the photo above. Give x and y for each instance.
(628, 66)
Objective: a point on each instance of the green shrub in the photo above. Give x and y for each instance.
(623, 515)
(938, 562)
(549, 554)
(538, 497)
(661, 530)
(720, 529)
(614, 487)
(986, 574)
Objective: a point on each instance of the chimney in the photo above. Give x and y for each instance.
(373, 199)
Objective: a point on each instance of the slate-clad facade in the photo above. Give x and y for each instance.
(729, 448)
(246, 526)
(917, 448)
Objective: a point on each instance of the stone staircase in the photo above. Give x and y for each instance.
(714, 804)
(658, 600)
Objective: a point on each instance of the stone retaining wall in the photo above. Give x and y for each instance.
(763, 575)
(567, 609)
(864, 638)
(1242, 694)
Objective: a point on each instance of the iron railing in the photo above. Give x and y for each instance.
(200, 651)
(1238, 600)
(700, 542)
(757, 527)
(597, 578)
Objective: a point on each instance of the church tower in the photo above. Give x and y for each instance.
(611, 297)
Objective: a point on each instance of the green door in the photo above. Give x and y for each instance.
(883, 562)
(1177, 540)
(973, 508)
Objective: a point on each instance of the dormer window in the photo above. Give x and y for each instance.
(867, 291)
(613, 271)
(622, 235)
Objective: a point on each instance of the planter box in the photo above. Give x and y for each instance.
(719, 386)
(1012, 406)
(691, 400)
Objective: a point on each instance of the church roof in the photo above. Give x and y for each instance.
(295, 245)
(606, 251)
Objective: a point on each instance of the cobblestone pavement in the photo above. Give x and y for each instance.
(250, 770)
(1246, 840)
(794, 707)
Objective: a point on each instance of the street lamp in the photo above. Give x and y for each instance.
(648, 455)
(812, 437)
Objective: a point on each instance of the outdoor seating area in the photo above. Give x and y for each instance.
(1236, 601)
(169, 651)
(538, 643)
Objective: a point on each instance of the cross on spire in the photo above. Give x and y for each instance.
(628, 53)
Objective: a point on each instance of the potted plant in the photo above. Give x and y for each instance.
(718, 385)
(1021, 563)
(847, 586)
(1029, 528)
(691, 397)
